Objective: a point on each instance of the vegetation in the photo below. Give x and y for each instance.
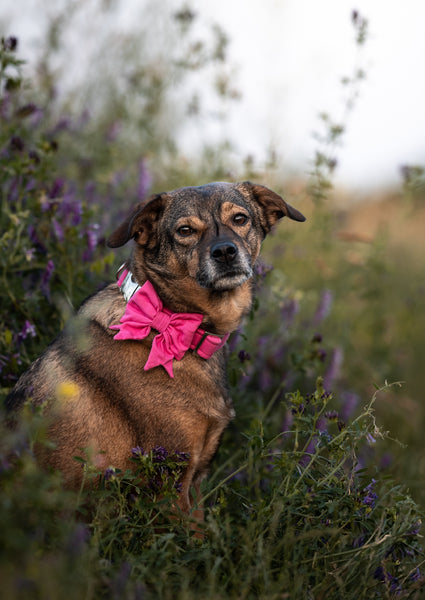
(309, 496)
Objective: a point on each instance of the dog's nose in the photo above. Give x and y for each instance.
(224, 252)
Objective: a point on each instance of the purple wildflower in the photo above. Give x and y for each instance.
(70, 210)
(45, 280)
(370, 439)
(26, 110)
(306, 457)
(289, 311)
(265, 380)
(333, 368)
(325, 436)
(261, 269)
(64, 124)
(243, 356)
(323, 308)
(92, 240)
(29, 254)
(332, 415)
(109, 474)
(321, 354)
(234, 339)
(10, 43)
(382, 575)
(120, 580)
(34, 238)
(359, 541)
(287, 421)
(386, 460)
(350, 401)
(34, 156)
(159, 454)
(370, 497)
(416, 575)
(57, 189)
(144, 181)
(416, 529)
(5, 105)
(58, 231)
(113, 131)
(90, 192)
(27, 330)
(77, 540)
(16, 144)
(137, 452)
(13, 191)
(182, 456)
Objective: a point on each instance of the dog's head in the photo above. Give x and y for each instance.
(207, 236)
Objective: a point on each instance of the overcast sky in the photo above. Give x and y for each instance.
(290, 57)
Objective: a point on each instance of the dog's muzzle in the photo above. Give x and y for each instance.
(226, 267)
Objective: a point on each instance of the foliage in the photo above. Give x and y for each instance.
(287, 515)
(49, 241)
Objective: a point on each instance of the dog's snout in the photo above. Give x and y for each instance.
(224, 252)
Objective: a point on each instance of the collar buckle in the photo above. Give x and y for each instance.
(126, 283)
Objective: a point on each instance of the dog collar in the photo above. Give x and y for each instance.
(177, 332)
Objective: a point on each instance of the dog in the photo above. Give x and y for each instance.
(143, 362)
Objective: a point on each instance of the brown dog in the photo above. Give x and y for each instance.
(197, 247)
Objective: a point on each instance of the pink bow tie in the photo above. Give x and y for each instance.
(177, 331)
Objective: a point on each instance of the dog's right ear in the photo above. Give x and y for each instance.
(140, 224)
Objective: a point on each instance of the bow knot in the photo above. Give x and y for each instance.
(161, 321)
(144, 312)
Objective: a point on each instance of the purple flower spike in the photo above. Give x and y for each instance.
(45, 280)
(289, 311)
(333, 369)
(324, 307)
(159, 454)
(350, 401)
(28, 330)
(138, 451)
(370, 496)
(58, 231)
(144, 182)
(109, 474)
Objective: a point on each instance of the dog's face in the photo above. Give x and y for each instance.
(207, 236)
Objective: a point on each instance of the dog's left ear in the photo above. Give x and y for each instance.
(273, 206)
(140, 224)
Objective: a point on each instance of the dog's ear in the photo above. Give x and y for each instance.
(273, 206)
(140, 224)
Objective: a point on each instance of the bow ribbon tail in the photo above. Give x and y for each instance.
(161, 354)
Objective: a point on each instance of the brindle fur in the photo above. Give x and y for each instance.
(112, 404)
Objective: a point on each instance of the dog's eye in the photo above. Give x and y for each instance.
(240, 219)
(185, 231)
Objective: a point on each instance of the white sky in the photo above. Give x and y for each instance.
(290, 57)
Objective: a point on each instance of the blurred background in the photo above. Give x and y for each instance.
(323, 102)
(285, 63)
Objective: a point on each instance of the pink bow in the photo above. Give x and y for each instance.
(144, 312)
